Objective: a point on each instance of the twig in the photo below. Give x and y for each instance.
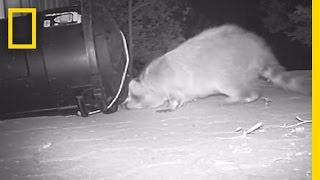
(245, 133)
(253, 128)
(297, 124)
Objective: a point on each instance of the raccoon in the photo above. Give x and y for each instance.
(224, 60)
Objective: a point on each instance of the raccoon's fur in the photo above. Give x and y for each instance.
(223, 60)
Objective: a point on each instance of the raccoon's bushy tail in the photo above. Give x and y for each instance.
(282, 78)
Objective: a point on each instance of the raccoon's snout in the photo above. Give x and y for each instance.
(124, 105)
(130, 103)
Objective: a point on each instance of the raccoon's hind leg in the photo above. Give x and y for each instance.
(235, 96)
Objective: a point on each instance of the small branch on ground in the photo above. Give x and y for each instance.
(245, 133)
(302, 121)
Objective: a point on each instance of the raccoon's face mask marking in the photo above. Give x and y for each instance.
(141, 96)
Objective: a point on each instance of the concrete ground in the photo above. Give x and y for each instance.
(200, 141)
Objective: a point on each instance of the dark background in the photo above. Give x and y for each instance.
(291, 54)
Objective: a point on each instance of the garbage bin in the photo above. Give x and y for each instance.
(81, 63)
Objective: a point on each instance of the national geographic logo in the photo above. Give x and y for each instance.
(33, 44)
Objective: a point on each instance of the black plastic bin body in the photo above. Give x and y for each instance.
(80, 63)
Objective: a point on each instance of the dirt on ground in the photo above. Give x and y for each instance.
(203, 140)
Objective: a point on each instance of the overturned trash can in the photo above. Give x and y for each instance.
(81, 63)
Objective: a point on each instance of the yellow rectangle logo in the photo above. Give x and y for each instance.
(33, 44)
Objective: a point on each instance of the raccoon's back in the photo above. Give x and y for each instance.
(229, 52)
(227, 55)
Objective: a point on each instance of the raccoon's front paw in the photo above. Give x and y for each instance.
(172, 106)
(164, 110)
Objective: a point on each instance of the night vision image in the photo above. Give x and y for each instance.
(155, 89)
